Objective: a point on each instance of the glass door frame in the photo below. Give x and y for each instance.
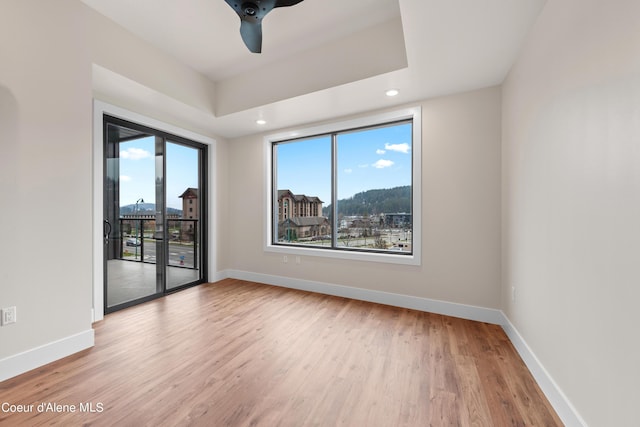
(162, 139)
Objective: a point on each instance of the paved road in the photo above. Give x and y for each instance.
(176, 251)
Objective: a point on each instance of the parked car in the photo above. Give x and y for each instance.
(132, 242)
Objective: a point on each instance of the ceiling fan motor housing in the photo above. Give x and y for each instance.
(250, 9)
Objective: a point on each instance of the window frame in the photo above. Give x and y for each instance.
(381, 119)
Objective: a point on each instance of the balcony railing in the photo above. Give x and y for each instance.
(139, 238)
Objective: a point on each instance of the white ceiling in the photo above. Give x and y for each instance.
(425, 48)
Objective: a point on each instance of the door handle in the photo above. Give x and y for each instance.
(106, 231)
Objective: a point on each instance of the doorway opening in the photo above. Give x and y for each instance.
(155, 213)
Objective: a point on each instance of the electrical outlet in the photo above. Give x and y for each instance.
(297, 259)
(513, 294)
(285, 259)
(8, 316)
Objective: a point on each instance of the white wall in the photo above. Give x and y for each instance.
(121, 52)
(571, 202)
(461, 211)
(45, 171)
(50, 56)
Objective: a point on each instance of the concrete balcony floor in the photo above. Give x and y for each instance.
(130, 280)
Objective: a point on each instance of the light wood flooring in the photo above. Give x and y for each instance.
(236, 353)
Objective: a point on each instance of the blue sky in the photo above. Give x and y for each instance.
(137, 171)
(370, 159)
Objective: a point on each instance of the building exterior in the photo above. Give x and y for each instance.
(190, 203)
(308, 227)
(397, 220)
(297, 205)
(300, 216)
(190, 211)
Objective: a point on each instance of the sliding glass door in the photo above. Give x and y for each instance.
(154, 204)
(183, 219)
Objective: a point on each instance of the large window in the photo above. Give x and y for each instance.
(347, 189)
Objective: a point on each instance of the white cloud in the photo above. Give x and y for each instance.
(348, 170)
(382, 163)
(401, 148)
(134, 153)
(125, 178)
(379, 151)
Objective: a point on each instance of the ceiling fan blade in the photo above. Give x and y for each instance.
(251, 33)
(251, 13)
(283, 3)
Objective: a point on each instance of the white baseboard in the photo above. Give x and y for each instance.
(565, 410)
(217, 276)
(563, 407)
(39, 356)
(470, 312)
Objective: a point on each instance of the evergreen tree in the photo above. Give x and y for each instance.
(373, 202)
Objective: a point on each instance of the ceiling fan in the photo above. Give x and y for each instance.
(251, 13)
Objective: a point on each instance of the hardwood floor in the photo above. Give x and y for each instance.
(237, 353)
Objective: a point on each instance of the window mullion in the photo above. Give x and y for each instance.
(275, 211)
(334, 190)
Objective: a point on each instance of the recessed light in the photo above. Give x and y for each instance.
(261, 122)
(392, 92)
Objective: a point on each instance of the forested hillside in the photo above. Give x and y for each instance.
(371, 202)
